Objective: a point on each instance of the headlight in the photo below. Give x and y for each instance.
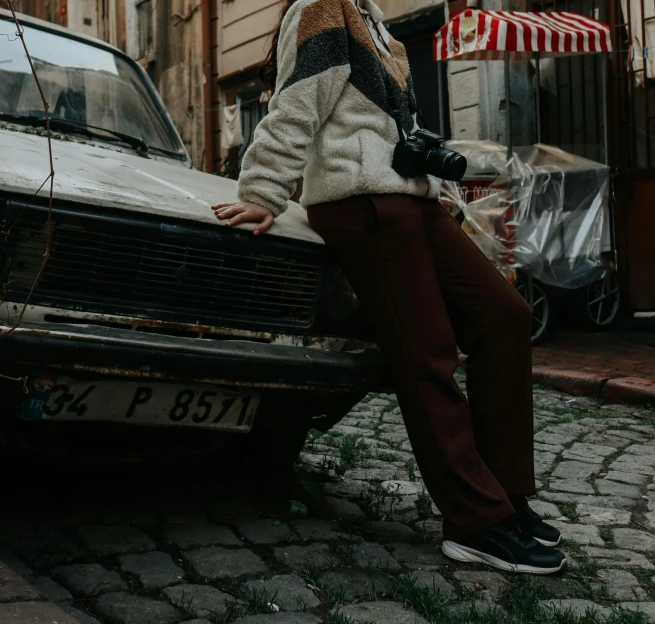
(339, 299)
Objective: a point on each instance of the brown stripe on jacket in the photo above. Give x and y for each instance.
(328, 14)
(320, 16)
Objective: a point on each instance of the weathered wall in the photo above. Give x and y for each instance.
(174, 61)
(176, 69)
(49, 10)
(245, 31)
(111, 21)
(464, 89)
(83, 16)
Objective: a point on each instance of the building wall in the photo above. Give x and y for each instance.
(175, 63)
(111, 21)
(50, 10)
(83, 16)
(477, 91)
(166, 38)
(245, 29)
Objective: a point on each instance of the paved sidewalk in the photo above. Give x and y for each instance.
(354, 540)
(618, 366)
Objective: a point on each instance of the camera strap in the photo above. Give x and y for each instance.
(391, 95)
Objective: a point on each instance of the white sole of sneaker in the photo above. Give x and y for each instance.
(469, 555)
(550, 544)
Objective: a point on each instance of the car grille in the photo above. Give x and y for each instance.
(169, 271)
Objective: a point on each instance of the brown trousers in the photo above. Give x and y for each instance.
(426, 289)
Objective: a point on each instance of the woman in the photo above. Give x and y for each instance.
(423, 284)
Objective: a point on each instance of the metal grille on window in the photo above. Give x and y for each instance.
(572, 91)
(252, 112)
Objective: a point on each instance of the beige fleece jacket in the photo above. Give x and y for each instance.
(329, 120)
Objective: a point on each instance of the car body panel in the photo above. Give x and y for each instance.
(303, 373)
(93, 176)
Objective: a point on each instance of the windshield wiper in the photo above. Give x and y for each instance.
(57, 123)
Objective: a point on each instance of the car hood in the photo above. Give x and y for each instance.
(90, 175)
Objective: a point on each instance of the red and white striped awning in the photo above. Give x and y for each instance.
(487, 35)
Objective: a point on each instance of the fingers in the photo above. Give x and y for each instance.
(242, 216)
(243, 212)
(264, 226)
(230, 210)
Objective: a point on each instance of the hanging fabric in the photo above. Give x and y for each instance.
(232, 131)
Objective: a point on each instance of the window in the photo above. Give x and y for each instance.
(145, 34)
(252, 112)
(85, 84)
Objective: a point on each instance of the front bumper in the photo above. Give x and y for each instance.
(84, 350)
(302, 387)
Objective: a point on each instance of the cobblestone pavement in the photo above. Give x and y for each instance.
(352, 539)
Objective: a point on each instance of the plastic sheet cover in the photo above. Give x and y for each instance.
(544, 211)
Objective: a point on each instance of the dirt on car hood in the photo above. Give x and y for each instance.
(90, 175)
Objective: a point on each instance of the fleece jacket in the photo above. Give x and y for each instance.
(329, 121)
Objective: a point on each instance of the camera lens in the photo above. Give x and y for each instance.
(446, 165)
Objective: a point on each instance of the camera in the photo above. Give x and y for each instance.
(423, 153)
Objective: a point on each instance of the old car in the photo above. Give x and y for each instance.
(151, 330)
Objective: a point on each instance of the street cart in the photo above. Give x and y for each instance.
(540, 214)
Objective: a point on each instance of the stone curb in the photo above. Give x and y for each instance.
(578, 383)
(629, 390)
(626, 390)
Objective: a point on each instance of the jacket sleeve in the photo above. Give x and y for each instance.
(313, 71)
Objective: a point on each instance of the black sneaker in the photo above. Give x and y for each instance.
(532, 524)
(507, 548)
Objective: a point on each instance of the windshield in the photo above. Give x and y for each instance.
(83, 84)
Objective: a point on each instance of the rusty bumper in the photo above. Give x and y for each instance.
(109, 352)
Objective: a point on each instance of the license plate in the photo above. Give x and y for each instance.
(159, 404)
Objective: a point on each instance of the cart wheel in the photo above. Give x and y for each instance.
(599, 303)
(543, 316)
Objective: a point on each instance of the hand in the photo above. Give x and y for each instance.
(243, 212)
